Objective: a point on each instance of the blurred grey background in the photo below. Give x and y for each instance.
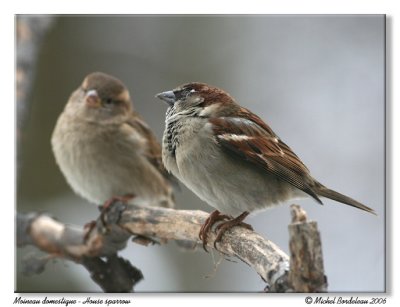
(317, 80)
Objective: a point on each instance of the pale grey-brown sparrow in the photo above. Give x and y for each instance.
(106, 150)
(231, 159)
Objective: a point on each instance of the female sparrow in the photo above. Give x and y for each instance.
(231, 159)
(104, 148)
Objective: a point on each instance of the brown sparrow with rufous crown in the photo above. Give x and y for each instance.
(231, 159)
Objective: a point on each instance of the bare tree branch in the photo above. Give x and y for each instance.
(113, 229)
(114, 274)
(266, 258)
(306, 262)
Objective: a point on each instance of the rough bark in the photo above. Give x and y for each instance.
(113, 228)
(306, 262)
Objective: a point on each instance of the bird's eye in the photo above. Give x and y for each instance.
(183, 94)
(109, 101)
(178, 95)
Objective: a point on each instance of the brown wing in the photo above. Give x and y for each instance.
(249, 138)
(154, 149)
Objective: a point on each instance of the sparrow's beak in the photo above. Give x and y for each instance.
(168, 97)
(92, 99)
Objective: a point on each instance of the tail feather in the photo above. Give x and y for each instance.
(325, 192)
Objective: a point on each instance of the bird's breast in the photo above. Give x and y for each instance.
(99, 162)
(227, 183)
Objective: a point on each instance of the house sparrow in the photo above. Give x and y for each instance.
(104, 148)
(231, 159)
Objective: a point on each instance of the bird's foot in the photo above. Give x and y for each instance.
(123, 199)
(87, 229)
(105, 208)
(224, 226)
(214, 217)
(109, 215)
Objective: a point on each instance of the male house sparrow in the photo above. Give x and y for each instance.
(104, 148)
(231, 159)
